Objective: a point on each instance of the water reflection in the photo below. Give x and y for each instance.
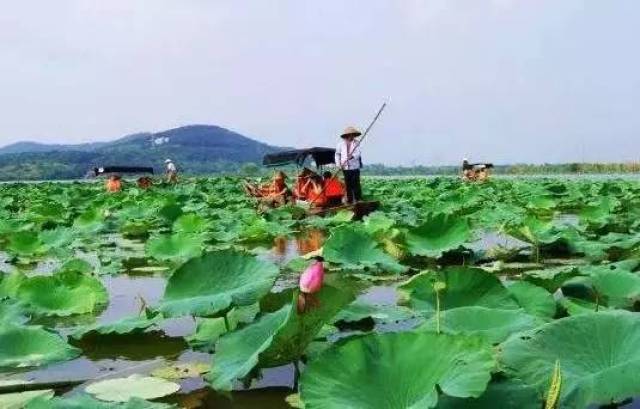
(269, 398)
(287, 248)
(132, 347)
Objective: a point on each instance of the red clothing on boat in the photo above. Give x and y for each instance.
(113, 185)
(333, 188)
(316, 195)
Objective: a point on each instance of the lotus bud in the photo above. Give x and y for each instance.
(312, 278)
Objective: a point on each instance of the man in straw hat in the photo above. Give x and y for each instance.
(348, 158)
(171, 171)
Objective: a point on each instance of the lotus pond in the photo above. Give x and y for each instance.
(515, 293)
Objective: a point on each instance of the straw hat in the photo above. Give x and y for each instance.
(350, 131)
(167, 161)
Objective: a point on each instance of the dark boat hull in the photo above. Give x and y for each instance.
(360, 209)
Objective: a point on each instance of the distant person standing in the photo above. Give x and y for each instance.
(114, 184)
(171, 171)
(348, 158)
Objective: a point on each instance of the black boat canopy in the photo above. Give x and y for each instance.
(122, 169)
(321, 157)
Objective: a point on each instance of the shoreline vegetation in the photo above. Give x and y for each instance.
(57, 171)
(515, 169)
(209, 150)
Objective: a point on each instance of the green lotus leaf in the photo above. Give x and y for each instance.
(77, 265)
(134, 386)
(86, 402)
(20, 399)
(508, 394)
(377, 223)
(490, 324)
(577, 306)
(62, 294)
(551, 278)
(464, 287)
(599, 213)
(24, 346)
(238, 352)
(211, 283)
(339, 219)
(58, 237)
(615, 288)
(48, 211)
(627, 265)
(8, 226)
(300, 329)
(10, 282)
(170, 211)
(25, 243)
(182, 371)
(359, 310)
(352, 248)
(541, 202)
(209, 330)
(175, 247)
(500, 214)
(128, 325)
(396, 370)
(136, 228)
(11, 312)
(438, 234)
(260, 229)
(538, 232)
(190, 223)
(244, 314)
(599, 356)
(613, 246)
(92, 220)
(535, 300)
(277, 337)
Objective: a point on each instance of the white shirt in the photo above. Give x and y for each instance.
(348, 155)
(171, 167)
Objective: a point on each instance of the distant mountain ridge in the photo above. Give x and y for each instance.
(31, 147)
(197, 149)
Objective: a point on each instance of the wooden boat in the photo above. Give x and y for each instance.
(360, 209)
(318, 158)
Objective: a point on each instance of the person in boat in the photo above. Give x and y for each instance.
(113, 184)
(171, 171)
(482, 173)
(144, 182)
(302, 184)
(273, 194)
(333, 189)
(316, 194)
(477, 172)
(349, 159)
(468, 172)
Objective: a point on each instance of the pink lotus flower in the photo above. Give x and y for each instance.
(312, 278)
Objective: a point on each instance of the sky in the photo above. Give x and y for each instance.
(507, 81)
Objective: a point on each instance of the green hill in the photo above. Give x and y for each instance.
(196, 149)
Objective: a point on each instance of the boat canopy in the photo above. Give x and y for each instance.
(321, 157)
(122, 169)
